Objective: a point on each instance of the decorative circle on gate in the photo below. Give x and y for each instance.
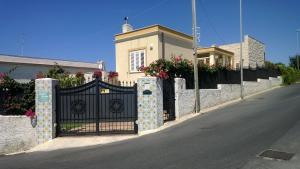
(78, 107)
(116, 105)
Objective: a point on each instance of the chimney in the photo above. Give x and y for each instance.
(101, 65)
(126, 27)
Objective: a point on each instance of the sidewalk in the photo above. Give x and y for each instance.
(79, 141)
(289, 143)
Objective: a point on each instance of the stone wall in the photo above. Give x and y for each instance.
(16, 133)
(256, 52)
(185, 98)
(182, 106)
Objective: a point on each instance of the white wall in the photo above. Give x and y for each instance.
(185, 98)
(174, 46)
(26, 72)
(16, 134)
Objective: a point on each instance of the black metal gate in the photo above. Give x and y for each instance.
(169, 99)
(96, 108)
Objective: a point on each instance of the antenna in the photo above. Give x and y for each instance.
(126, 19)
(22, 43)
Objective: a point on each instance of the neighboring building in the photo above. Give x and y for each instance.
(215, 56)
(140, 47)
(253, 52)
(28, 67)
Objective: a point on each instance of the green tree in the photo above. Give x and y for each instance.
(293, 61)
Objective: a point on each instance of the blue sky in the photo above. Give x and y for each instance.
(84, 29)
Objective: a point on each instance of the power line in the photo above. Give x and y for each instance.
(210, 22)
(149, 9)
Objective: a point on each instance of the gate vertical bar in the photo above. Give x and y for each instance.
(58, 109)
(136, 109)
(97, 105)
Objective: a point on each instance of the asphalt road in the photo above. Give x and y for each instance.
(222, 139)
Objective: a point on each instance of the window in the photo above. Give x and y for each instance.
(137, 60)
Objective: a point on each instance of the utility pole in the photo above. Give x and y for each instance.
(196, 80)
(241, 49)
(298, 52)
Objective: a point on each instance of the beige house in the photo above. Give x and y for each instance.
(140, 47)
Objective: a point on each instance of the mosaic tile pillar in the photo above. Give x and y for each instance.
(45, 109)
(150, 103)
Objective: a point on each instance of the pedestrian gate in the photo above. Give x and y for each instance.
(169, 99)
(96, 108)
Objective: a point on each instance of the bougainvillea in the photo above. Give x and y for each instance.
(16, 97)
(97, 74)
(112, 75)
(165, 69)
(2, 76)
(30, 113)
(40, 75)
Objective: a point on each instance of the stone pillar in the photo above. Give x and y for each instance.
(179, 86)
(212, 59)
(45, 107)
(150, 103)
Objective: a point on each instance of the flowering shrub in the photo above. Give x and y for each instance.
(112, 75)
(97, 74)
(30, 113)
(79, 78)
(160, 68)
(40, 75)
(165, 69)
(2, 76)
(212, 68)
(16, 98)
(64, 78)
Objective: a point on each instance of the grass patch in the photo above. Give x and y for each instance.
(67, 126)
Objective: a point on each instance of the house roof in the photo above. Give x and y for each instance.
(150, 30)
(214, 49)
(45, 61)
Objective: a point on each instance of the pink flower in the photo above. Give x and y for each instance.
(163, 75)
(2, 75)
(112, 74)
(178, 59)
(97, 74)
(30, 113)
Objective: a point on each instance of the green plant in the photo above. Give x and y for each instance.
(16, 98)
(165, 69)
(289, 74)
(64, 78)
(178, 67)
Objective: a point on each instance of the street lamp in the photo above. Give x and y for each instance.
(297, 56)
(241, 49)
